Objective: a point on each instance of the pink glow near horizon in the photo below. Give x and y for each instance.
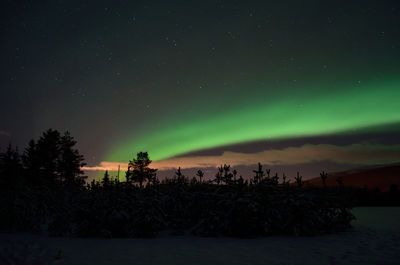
(364, 154)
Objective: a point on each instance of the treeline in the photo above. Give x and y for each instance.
(44, 190)
(51, 161)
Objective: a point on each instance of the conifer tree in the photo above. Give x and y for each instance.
(10, 169)
(284, 179)
(323, 176)
(48, 150)
(139, 170)
(53, 160)
(259, 174)
(299, 180)
(227, 177)
(275, 179)
(31, 164)
(70, 162)
(179, 177)
(218, 176)
(106, 179)
(234, 173)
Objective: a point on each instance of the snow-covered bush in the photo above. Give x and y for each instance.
(204, 209)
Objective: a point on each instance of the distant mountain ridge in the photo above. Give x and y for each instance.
(379, 176)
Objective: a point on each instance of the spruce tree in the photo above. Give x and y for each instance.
(11, 175)
(53, 160)
(299, 180)
(180, 177)
(70, 162)
(106, 179)
(227, 177)
(48, 150)
(31, 166)
(259, 174)
(218, 176)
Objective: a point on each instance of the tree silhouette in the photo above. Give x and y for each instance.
(339, 180)
(241, 181)
(268, 171)
(234, 172)
(10, 169)
(193, 181)
(128, 175)
(48, 150)
(179, 177)
(106, 179)
(259, 174)
(284, 182)
(139, 170)
(200, 174)
(299, 180)
(154, 180)
(178, 173)
(70, 162)
(275, 179)
(227, 176)
(53, 160)
(323, 176)
(218, 175)
(30, 162)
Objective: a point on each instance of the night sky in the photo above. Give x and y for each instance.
(296, 85)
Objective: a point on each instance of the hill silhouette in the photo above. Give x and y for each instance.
(381, 177)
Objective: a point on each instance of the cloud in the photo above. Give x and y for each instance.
(104, 165)
(5, 133)
(360, 154)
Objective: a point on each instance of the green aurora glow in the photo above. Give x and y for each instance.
(308, 112)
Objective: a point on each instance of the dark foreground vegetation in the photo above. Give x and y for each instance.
(44, 190)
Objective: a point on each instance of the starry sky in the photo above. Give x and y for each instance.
(296, 85)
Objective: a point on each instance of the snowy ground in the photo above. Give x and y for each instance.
(375, 239)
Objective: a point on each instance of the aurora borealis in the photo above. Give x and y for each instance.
(186, 80)
(304, 115)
